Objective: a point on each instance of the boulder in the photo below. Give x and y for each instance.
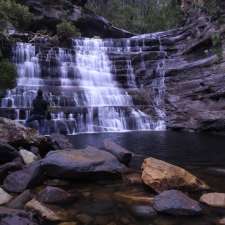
(16, 217)
(4, 197)
(60, 142)
(176, 203)
(16, 134)
(143, 211)
(20, 201)
(122, 154)
(7, 152)
(79, 163)
(161, 176)
(6, 168)
(23, 179)
(54, 195)
(47, 213)
(214, 199)
(28, 157)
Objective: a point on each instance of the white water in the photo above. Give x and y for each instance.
(83, 87)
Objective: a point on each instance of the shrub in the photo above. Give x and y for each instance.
(67, 30)
(15, 13)
(8, 75)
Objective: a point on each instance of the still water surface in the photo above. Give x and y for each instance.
(202, 154)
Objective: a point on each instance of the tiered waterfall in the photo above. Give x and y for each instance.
(92, 86)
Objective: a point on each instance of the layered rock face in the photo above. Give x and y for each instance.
(195, 79)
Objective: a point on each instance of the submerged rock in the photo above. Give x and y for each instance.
(161, 176)
(20, 201)
(54, 195)
(122, 154)
(4, 197)
(176, 203)
(143, 211)
(132, 199)
(80, 163)
(45, 212)
(60, 142)
(214, 199)
(23, 179)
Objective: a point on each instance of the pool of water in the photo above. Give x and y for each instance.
(187, 149)
(202, 154)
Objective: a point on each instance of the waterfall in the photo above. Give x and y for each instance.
(89, 86)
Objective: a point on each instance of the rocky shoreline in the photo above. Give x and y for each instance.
(45, 180)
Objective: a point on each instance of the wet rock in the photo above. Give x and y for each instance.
(45, 212)
(81, 163)
(176, 203)
(54, 195)
(7, 153)
(23, 179)
(6, 168)
(4, 197)
(214, 199)
(28, 157)
(16, 217)
(20, 201)
(122, 154)
(143, 211)
(60, 141)
(161, 176)
(85, 219)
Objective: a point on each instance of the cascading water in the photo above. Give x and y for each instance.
(87, 86)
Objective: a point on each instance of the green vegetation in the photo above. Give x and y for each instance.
(139, 16)
(14, 13)
(7, 75)
(67, 30)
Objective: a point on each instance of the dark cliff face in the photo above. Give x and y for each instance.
(195, 78)
(49, 13)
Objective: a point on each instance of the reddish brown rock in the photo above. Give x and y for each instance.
(161, 176)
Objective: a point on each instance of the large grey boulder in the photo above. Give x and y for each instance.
(81, 163)
(176, 203)
(21, 180)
